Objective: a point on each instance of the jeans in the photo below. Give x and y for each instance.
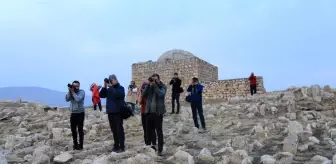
(175, 97)
(116, 125)
(144, 126)
(77, 122)
(197, 108)
(154, 122)
(253, 89)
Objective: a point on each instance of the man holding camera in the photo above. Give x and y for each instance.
(155, 94)
(196, 91)
(114, 94)
(76, 98)
(176, 90)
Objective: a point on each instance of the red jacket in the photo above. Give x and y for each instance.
(95, 94)
(253, 80)
(142, 102)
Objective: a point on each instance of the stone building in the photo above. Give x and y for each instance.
(188, 66)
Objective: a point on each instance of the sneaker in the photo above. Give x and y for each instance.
(121, 150)
(115, 149)
(75, 147)
(79, 147)
(153, 147)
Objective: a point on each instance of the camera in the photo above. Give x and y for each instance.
(106, 80)
(70, 86)
(150, 79)
(130, 86)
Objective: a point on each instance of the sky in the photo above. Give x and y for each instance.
(49, 43)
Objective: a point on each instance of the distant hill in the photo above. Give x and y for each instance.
(40, 95)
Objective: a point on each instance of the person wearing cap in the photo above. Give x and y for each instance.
(155, 94)
(115, 95)
(142, 103)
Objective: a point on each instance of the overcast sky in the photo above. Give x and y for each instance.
(49, 43)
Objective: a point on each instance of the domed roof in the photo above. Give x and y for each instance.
(175, 54)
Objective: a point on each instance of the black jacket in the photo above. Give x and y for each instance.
(176, 85)
(115, 96)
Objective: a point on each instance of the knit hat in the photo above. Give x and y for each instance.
(113, 77)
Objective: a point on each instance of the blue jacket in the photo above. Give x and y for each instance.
(115, 96)
(76, 101)
(195, 93)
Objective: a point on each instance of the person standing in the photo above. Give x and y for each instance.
(95, 96)
(155, 93)
(132, 95)
(76, 98)
(114, 94)
(142, 103)
(196, 91)
(176, 90)
(253, 84)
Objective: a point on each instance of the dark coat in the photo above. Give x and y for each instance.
(160, 91)
(196, 92)
(115, 96)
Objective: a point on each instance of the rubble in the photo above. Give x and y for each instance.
(291, 126)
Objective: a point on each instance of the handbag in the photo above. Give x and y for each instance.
(126, 112)
(181, 90)
(188, 98)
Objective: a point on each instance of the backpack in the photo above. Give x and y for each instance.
(126, 112)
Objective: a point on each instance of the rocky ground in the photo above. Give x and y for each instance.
(293, 126)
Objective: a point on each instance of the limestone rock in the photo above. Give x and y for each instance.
(205, 156)
(63, 158)
(238, 156)
(267, 159)
(294, 127)
(290, 144)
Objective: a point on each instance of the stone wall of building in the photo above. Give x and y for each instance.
(223, 89)
(194, 67)
(185, 69)
(206, 71)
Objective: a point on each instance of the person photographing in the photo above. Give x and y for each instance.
(132, 95)
(196, 91)
(176, 90)
(114, 94)
(76, 98)
(155, 93)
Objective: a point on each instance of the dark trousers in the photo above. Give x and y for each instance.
(197, 108)
(253, 89)
(144, 126)
(95, 106)
(176, 97)
(116, 125)
(154, 122)
(77, 121)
